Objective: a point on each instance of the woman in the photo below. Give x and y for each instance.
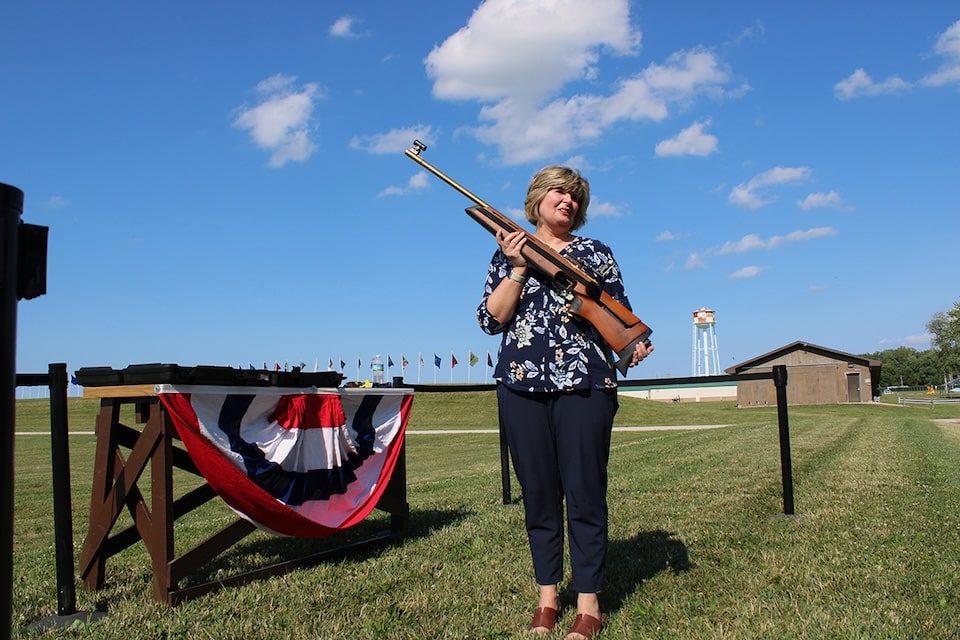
(556, 389)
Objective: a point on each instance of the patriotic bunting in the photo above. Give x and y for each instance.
(293, 461)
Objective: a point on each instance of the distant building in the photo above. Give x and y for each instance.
(695, 389)
(815, 375)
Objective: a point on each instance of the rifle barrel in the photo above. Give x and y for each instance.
(414, 154)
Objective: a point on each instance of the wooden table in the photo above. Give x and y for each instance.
(154, 442)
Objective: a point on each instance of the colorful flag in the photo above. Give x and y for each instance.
(436, 361)
(473, 359)
(342, 364)
(389, 360)
(403, 362)
(453, 360)
(489, 361)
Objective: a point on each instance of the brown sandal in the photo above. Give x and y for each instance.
(544, 619)
(586, 626)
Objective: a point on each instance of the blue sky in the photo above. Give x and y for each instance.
(225, 183)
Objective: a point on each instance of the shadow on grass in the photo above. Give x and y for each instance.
(253, 554)
(630, 562)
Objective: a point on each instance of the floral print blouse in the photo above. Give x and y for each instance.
(544, 346)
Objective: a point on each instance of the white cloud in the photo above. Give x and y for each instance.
(57, 202)
(948, 46)
(281, 121)
(346, 27)
(922, 340)
(692, 141)
(515, 57)
(695, 261)
(753, 242)
(417, 182)
(684, 73)
(604, 209)
(578, 162)
(817, 200)
(859, 83)
(525, 130)
(747, 272)
(743, 197)
(745, 194)
(755, 30)
(394, 141)
(513, 48)
(665, 236)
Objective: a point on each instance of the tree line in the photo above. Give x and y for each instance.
(930, 367)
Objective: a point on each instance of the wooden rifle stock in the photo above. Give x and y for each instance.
(617, 325)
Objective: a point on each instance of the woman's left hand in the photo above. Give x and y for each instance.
(640, 352)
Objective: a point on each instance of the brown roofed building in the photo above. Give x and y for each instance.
(815, 375)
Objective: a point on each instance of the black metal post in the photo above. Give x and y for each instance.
(786, 467)
(56, 380)
(11, 208)
(62, 507)
(504, 460)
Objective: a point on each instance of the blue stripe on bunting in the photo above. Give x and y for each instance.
(297, 487)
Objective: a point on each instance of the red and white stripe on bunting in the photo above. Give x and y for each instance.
(298, 462)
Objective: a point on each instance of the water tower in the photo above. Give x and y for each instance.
(706, 357)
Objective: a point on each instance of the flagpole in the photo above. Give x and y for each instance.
(469, 364)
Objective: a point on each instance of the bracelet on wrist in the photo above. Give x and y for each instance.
(522, 279)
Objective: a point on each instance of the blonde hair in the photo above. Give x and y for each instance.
(565, 179)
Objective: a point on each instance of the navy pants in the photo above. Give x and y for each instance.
(560, 445)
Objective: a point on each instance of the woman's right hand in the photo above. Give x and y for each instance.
(512, 246)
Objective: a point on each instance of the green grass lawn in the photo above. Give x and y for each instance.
(699, 547)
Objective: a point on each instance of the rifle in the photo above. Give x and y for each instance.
(616, 324)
